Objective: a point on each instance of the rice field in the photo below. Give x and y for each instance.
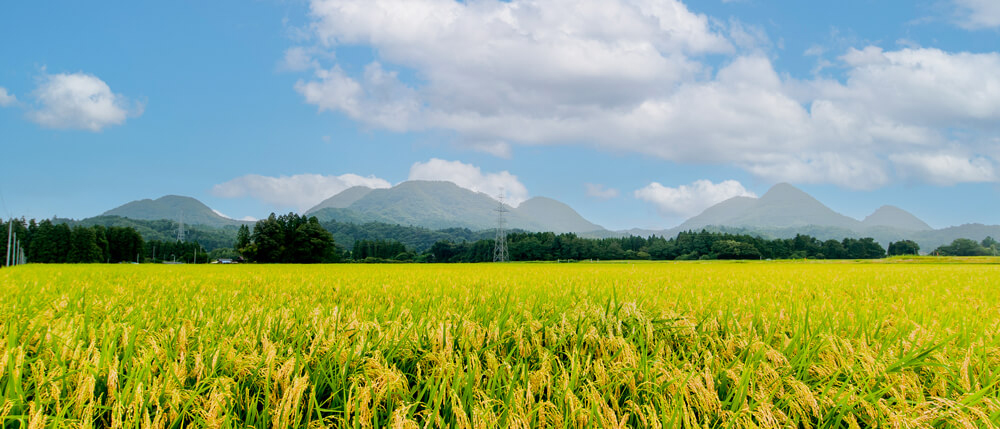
(658, 345)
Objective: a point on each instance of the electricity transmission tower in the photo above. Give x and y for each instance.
(500, 253)
(180, 228)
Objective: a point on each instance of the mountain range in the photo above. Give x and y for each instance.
(439, 205)
(785, 206)
(782, 212)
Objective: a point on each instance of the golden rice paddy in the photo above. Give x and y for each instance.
(659, 345)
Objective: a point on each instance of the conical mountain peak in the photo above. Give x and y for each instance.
(783, 206)
(172, 207)
(786, 192)
(895, 217)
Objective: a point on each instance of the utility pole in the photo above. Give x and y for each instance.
(500, 253)
(10, 241)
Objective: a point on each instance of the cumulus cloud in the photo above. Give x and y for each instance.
(80, 101)
(600, 191)
(978, 14)
(301, 191)
(379, 99)
(630, 76)
(5, 98)
(945, 169)
(689, 200)
(471, 177)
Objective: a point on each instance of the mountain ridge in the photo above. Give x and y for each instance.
(439, 204)
(782, 212)
(172, 207)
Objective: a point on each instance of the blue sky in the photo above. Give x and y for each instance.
(638, 113)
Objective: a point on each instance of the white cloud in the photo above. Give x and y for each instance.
(921, 87)
(6, 99)
(380, 99)
(600, 191)
(471, 177)
(80, 101)
(630, 76)
(487, 59)
(689, 200)
(945, 169)
(301, 191)
(978, 14)
(244, 218)
(298, 58)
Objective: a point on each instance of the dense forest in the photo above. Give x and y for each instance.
(210, 238)
(48, 242)
(286, 239)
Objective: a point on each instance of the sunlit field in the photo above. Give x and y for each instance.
(762, 344)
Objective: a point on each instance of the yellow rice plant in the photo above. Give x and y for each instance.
(906, 344)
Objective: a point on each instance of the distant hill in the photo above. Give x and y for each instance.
(782, 206)
(895, 217)
(342, 200)
(555, 216)
(172, 207)
(440, 205)
(785, 211)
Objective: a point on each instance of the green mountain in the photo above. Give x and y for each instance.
(175, 208)
(782, 206)
(342, 200)
(555, 216)
(895, 217)
(440, 205)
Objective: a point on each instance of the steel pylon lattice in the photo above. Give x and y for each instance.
(500, 253)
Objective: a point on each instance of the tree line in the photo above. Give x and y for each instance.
(967, 247)
(703, 245)
(57, 243)
(294, 238)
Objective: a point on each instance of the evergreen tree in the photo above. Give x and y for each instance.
(101, 238)
(242, 239)
(83, 246)
(45, 246)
